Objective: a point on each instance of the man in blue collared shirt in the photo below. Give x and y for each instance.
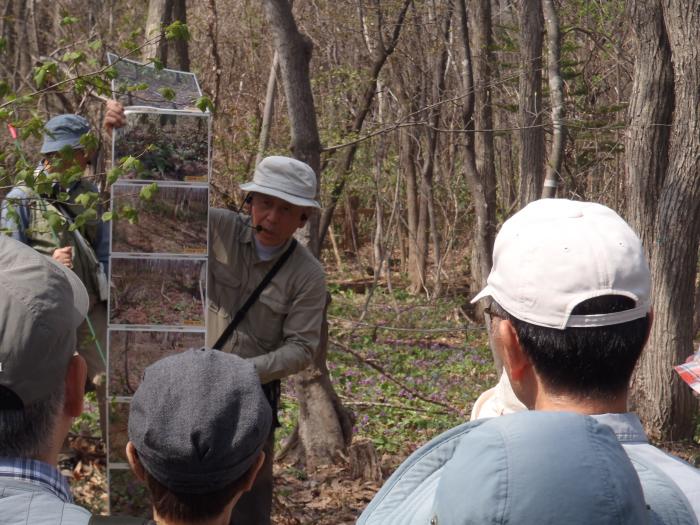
(42, 383)
(569, 309)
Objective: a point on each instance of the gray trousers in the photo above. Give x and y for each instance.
(255, 507)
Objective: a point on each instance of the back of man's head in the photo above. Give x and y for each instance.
(540, 467)
(41, 305)
(197, 425)
(573, 280)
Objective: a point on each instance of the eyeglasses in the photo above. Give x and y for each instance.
(490, 313)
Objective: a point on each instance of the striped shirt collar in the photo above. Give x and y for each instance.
(38, 473)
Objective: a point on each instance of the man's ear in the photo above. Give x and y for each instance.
(253, 472)
(515, 361)
(134, 462)
(76, 375)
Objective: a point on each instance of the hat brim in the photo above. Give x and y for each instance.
(292, 199)
(52, 146)
(487, 291)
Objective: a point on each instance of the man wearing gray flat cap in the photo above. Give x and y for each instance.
(60, 186)
(197, 426)
(266, 293)
(42, 383)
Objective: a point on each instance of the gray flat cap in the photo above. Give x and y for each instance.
(64, 130)
(540, 467)
(42, 303)
(199, 419)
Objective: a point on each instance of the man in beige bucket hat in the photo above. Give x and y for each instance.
(266, 294)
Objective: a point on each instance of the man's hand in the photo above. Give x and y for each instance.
(114, 116)
(64, 256)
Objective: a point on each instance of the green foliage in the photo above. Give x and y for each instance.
(437, 363)
(177, 31)
(74, 57)
(44, 73)
(88, 422)
(87, 199)
(148, 191)
(167, 93)
(204, 104)
(68, 20)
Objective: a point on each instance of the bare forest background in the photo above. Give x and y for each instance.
(429, 123)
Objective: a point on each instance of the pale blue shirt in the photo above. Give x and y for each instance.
(631, 436)
(671, 486)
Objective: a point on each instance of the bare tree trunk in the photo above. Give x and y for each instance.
(325, 427)
(213, 33)
(269, 109)
(382, 53)
(484, 203)
(427, 176)
(530, 102)
(649, 116)
(667, 34)
(556, 97)
(181, 60)
(416, 255)
(158, 15)
(482, 43)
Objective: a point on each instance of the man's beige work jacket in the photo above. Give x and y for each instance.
(281, 331)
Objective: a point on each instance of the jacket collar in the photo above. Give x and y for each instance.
(626, 427)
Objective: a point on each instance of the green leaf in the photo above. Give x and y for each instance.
(40, 77)
(5, 89)
(130, 163)
(86, 199)
(68, 20)
(107, 216)
(74, 56)
(204, 104)
(4, 113)
(111, 73)
(129, 213)
(95, 45)
(167, 93)
(41, 73)
(113, 175)
(55, 219)
(177, 30)
(157, 63)
(89, 141)
(147, 192)
(3, 44)
(137, 87)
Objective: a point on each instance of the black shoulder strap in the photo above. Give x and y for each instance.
(240, 314)
(119, 520)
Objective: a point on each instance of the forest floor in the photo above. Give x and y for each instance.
(410, 369)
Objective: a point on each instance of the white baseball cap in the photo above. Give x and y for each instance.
(556, 253)
(285, 178)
